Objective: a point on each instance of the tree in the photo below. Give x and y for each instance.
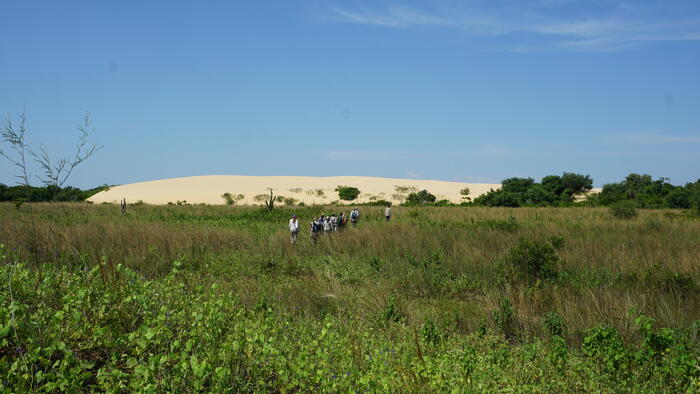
(517, 185)
(57, 173)
(347, 193)
(420, 198)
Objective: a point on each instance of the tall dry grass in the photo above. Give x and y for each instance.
(444, 264)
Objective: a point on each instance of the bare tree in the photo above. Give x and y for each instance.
(14, 136)
(54, 174)
(57, 173)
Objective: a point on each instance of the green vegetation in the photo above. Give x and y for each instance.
(347, 193)
(422, 197)
(214, 298)
(47, 193)
(571, 189)
(554, 190)
(647, 193)
(232, 199)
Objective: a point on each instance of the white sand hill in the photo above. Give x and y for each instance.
(310, 190)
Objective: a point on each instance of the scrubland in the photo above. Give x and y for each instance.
(215, 298)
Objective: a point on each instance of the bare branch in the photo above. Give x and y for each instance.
(57, 174)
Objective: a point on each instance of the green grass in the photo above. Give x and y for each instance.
(214, 298)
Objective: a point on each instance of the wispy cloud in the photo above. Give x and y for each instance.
(358, 155)
(651, 138)
(601, 33)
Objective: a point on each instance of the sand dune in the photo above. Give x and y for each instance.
(310, 190)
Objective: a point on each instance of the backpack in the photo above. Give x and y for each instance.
(315, 226)
(353, 215)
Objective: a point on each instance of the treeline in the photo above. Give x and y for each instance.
(46, 193)
(572, 189)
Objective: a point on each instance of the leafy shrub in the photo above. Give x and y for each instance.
(624, 210)
(533, 260)
(392, 312)
(376, 263)
(510, 225)
(503, 318)
(660, 277)
(430, 333)
(555, 324)
(666, 352)
(347, 193)
(290, 201)
(604, 344)
(229, 198)
(420, 198)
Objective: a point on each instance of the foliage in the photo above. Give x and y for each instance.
(624, 209)
(347, 193)
(420, 198)
(554, 190)
(645, 192)
(555, 324)
(533, 260)
(214, 298)
(47, 193)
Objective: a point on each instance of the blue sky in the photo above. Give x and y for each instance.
(473, 91)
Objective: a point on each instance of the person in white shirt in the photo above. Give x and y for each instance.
(354, 217)
(387, 212)
(294, 228)
(327, 227)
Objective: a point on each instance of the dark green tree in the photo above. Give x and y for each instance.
(421, 198)
(347, 193)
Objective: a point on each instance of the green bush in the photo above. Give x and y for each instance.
(347, 193)
(555, 324)
(533, 260)
(605, 346)
(624, 210)
(420, 198)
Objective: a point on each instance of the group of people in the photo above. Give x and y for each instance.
(326, 224)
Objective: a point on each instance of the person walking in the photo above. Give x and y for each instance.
(327, 227)
(341, 221)
(387, 212)
(354, 217)
(294, 228)
(315, 229)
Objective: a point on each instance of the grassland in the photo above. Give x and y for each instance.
(472, 299)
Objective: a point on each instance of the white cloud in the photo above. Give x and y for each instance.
(651, 137)
(589, 34)
(358, 155)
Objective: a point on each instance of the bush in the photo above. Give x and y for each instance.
(555, 324)
(624, 210)
(347, 193)
(229, 198)
(533, 260)
(421, 198)
(605, 346)
(503, 317)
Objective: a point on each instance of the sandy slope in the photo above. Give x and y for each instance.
(310, 190)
